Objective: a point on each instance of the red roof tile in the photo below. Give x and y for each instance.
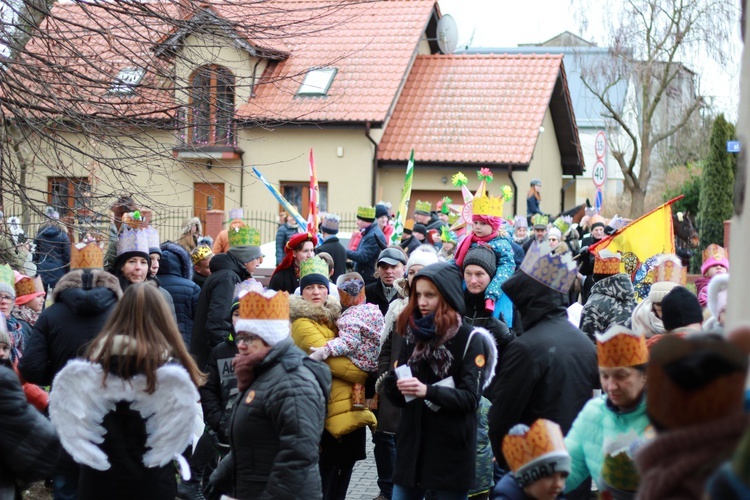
(483, 108)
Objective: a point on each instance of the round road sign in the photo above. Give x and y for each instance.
(599, 174)
(598, 200)
(600, 145)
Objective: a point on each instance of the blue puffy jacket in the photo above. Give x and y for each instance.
(175, 276)
(52, 253)
(366, 255)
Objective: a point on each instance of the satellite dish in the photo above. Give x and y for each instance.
(447, 34)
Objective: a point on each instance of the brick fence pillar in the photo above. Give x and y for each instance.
(214, 223)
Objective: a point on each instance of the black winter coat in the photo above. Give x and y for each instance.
(220, 390)
(336, 250)
(175, 273)
(548, 372)
(285, 280)
(212, 323)
(276, 427)
(410, 244)
(437, 450)
(29, 448)
(374, 295)
(64, 329)
(52, 254)
(366, 255)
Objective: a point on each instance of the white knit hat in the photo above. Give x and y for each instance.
(659, 290)
(423, 256)
(265, 315)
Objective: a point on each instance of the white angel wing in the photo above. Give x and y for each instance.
(77, 408)
(169, 413)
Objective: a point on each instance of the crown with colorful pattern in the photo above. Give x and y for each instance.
(563, 223)
(86, 256)
(621, 347)
(557, 271)
(423, 206)
(265, 315)
(351, 288)
(607, 262)
(714, 251)
(132, 240)
(314, 265)
(669, 268)
(24, 285)
(531, 451)
(199, 253)
(366, 213)
(243, 236)
(487, 205)
(539, 221)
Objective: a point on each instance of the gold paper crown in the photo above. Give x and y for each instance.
(314, 265)
(607, 262)
(254, 305)
(199, 253)
(366, 213)
(409, 224)
(487, 205)
(453, 218)
(423, 206)
(86, 256)
(620, 346)
(557, 271)
(242, 236)
(25, 286)
(714, 251)
(670, 269)
(539, 220)
(543, 437)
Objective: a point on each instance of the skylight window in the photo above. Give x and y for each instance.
(317, 81)
(126, 80)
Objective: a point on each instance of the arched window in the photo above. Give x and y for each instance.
(211, 106)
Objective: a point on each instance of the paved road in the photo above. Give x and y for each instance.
(364, 483)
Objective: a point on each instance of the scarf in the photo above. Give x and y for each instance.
(16, 338)
(26, 314)
(429, 345)
(466, 243)
(244, 369)
(645, 321)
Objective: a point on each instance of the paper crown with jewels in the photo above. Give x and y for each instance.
(86, 256)
(243, 236)
(557, 271)
(153, 237)
(314, 265)
(487, 205)
(132, 240)
(535, 452)
(607, 262)
(366, 213)
(265, 314)
(199, 253)
(539, 221)
(669, 268)
(620, 346)
(424, 207)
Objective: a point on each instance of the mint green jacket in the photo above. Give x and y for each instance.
(596, 423)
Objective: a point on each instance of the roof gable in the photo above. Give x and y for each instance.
(483, 109)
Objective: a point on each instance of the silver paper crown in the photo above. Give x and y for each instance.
(132, 240)
(244, 287)
(153, 237)
(557, 271)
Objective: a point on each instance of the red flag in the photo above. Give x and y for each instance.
(312, 217)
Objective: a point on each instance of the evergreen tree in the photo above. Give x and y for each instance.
(717, 179)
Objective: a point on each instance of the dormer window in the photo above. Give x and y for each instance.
(317, 82)
(126, 81)
(211, 106)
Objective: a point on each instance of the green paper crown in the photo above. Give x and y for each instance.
(453, 218)
(562, 224)
(243, 236)
(366, 213)
(7, 277)
(313, 265)
(444, 208)
(423, 206)
(539, 220)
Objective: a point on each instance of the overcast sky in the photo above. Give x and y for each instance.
(507, 23)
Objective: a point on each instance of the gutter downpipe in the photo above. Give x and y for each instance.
(242, 177)
(515, 189)
(562, 193)
(374, 178)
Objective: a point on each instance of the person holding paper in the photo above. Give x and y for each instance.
(437, 382)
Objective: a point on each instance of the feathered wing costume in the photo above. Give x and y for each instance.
(79, 402)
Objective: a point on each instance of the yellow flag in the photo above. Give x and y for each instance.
(648, 235)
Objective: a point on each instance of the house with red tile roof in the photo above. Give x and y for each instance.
(187, 100)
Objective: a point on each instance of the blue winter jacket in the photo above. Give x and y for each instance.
(175, 276)
(52, 253)
(366, 255)
(597, 424)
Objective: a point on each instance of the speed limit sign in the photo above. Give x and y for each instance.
(600, 145)
(599, 174)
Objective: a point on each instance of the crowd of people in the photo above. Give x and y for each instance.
(489, 358)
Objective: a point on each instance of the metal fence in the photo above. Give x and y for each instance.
(266, 222)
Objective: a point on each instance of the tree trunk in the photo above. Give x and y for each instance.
(637, 202)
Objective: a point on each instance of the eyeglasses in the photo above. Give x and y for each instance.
(6, 298)
(247, 339)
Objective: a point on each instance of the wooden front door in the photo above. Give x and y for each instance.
(207, 196)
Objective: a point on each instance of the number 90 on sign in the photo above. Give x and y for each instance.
(599, 174)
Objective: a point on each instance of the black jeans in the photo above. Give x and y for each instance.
(385, 458)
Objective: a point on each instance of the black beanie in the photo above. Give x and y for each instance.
(381, 210)
(313, 279)
(421, 229)
(483, 257)
(679, 308)
(447, 279)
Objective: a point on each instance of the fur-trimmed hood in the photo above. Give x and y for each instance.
(175, 261)
(326, 314)
(96, 296)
